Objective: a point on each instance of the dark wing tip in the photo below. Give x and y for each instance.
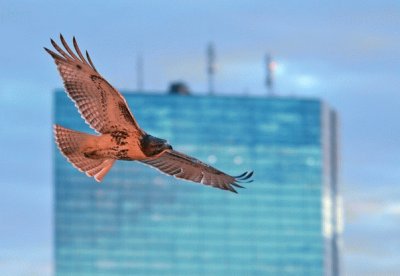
(238, 176)
(50, 52)
(230, 188)
(54, 55)
(68, 54)
(240, 179)
(78, 51)
(237, 185)
(244, 176)
(90, 61)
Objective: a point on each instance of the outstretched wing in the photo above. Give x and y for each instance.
(100, 104)
(185, 167)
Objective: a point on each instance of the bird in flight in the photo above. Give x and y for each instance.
(120, 138)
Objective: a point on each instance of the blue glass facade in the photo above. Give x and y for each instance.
(141, 222)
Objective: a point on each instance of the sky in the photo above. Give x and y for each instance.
(345, 52)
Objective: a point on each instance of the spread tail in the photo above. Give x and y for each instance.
(70, 142)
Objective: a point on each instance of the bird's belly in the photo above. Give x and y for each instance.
(106, 147)
(130, 152)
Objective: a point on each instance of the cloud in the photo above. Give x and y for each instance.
(371, 241)
(18, 267)
(33, 260)
(393, 208)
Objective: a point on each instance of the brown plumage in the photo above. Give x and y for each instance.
(105, 110)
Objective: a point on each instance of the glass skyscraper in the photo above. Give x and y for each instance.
(141, 222)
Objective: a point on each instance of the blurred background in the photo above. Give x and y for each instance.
(344, 52)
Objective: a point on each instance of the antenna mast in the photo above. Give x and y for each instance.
(271, 66)
(211, 67)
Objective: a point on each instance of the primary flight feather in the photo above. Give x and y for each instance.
(120, 138)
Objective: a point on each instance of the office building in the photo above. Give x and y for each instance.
(141, 222)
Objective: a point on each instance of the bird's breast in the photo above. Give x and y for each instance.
(128, 146)
(118, 145)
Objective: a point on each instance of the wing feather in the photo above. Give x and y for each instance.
(185, 167)
(90, 61)
(78, 51)
(99, 103)
(65, 44)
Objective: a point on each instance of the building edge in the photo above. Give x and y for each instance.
(332, 217)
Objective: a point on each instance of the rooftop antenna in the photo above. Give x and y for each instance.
(271, 66)
(139, 73)
(211, 67)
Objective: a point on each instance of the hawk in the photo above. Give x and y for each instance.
(120, 138)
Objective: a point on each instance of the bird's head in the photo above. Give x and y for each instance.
(152, 145)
